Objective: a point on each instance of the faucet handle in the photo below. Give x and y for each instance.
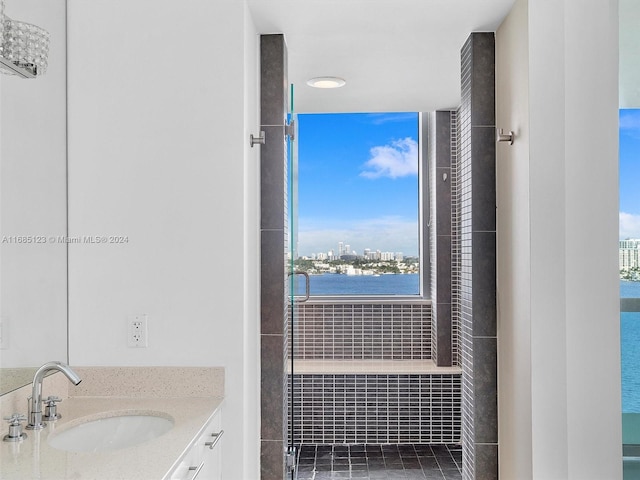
(16, 418)
(51, 400)
(15, 429)
(51, 408)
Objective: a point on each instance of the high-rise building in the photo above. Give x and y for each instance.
(629, 254)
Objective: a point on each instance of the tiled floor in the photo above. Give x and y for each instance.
(373, 462)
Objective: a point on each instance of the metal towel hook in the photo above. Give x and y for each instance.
(253, 140)
(505, 137)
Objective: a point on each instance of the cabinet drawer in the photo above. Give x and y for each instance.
(203, 460)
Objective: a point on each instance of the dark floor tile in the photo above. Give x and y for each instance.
(411, 463)
(406, 448)
(447, 463)
(433, 475)
(346, 474)
(415, 474)
(452, 474)
(378, 475)
(423, 449)
(429, 463)
(323, 476)
(378, 462)
(396, 474)
(439, 450)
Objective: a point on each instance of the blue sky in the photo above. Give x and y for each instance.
(358, 182)
(629, 173)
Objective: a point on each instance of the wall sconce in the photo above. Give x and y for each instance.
(24, 48)
(505, 137)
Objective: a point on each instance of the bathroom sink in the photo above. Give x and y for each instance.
(111, 433)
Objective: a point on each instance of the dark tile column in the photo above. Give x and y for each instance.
(440, 192)
(273, 336)
(476, 176)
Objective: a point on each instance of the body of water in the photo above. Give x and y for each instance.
(630, 350)
(336, 284)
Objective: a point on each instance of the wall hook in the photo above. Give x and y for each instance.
(505, 137)
(260, 140)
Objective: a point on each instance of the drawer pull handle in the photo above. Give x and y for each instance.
(197, 470)
(217, 436)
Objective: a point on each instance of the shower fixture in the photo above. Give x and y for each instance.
(24, 48)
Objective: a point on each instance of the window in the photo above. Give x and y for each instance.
(358, 200)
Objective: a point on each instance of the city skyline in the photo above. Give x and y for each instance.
(344, 248)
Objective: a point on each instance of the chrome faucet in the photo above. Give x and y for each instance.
(35, 402)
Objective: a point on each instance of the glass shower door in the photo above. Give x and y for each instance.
(294, 285)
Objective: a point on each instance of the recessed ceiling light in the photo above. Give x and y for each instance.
(326, 82)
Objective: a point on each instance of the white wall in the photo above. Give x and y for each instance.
(558, 249)
(514, 246)
(33, 200)
(162, 98)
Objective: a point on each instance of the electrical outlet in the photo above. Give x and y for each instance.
(137, 331)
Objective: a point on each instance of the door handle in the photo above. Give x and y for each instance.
(307, 286)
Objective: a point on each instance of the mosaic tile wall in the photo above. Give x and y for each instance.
(363, 331)
(455, 244)
(339, 409)
(478, 307)
(371, 408)
(466, 317)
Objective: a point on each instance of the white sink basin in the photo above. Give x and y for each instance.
(111, 433)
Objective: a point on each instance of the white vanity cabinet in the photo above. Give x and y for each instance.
(203, 459)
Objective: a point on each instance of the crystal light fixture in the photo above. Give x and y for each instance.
(24, 49)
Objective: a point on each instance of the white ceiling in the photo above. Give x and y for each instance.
(396, 55)
(400, 55)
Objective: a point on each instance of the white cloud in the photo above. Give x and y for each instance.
(629, 225)
(398, 159)
(382, 118)
(388, 234)
(629, 121)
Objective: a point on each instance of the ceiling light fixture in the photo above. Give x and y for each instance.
(24, 48)
(326, 82)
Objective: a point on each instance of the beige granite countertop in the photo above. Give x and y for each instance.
(33, 458)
